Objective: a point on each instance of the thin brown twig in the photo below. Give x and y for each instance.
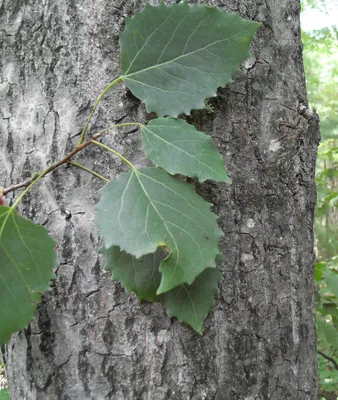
(20, 185)
(334, 362)
(51, 168)
(66, 159)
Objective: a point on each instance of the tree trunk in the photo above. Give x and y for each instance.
(90, 340)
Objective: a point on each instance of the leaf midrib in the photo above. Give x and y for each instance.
(10, 212)
(157, 211)
(180, 149)
(127, 76)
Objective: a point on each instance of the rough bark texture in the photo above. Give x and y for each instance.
(90, 340)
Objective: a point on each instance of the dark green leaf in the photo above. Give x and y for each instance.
(147, 208)
(192, 303)
(138, 275)
(189, 303)
(27, 259)
(179, 148)
(174, 57)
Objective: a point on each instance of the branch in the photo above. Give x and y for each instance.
(66, 159)
(51, 168)
(334, 362)
(20, 185)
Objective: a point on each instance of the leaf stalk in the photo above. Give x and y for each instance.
(28, 183)
(103, 146)
(101, 96)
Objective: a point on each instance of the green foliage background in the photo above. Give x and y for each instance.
(321, 70)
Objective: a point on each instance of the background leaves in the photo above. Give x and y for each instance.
(4, 394)
(321, 70)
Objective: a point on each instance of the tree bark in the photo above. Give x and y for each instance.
(90, 340)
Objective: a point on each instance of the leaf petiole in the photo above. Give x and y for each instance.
(103, 146)
(101, 96)
(29, 182)
(76, 164)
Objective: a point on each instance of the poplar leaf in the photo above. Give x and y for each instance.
(188, 303)
(174, 57)
(138, 275)
(147, 208)
(27, 259)
(179, 148)
(192, 303)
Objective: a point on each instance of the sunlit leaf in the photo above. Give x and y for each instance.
(329, 331)
(179, 148)
(331, 280)
(319, 267)
(174, 57)
(147, 208)
(4, 394)
(27, 259)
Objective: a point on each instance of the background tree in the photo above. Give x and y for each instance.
(91, 340)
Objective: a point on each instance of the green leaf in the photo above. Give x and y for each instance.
(138, 275)
(179, 148)
(27, 259)
(4, 394)
(174, 57)
(329, 331)
(331, 280)
(319, 267)
(147, 208)
(192, 303)
(189, 303)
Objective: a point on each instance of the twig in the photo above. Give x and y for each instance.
(76, 164)
(20, 185)
(334, 362)
(53, 166)
(66, 159)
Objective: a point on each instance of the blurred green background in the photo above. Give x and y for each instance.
(320, 39)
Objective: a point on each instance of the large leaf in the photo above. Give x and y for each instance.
(179, 148)
(147, 208)
(138, 275)
(27, 259)
(174, 57)
(188, 303)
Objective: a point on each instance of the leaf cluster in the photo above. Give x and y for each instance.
(160, 238)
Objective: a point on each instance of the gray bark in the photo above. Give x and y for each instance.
(90, 340)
